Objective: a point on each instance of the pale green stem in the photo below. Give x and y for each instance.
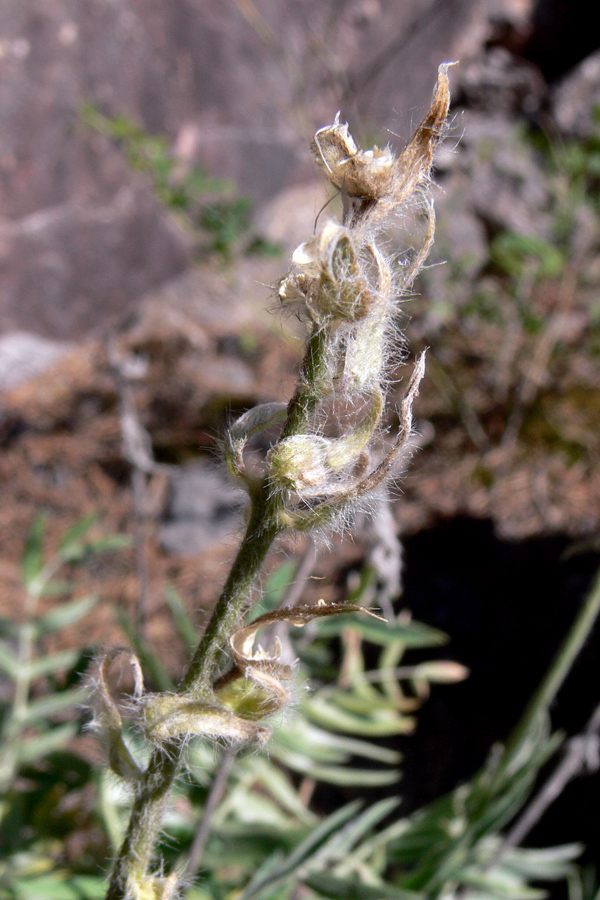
(135, 857)
(312, 384)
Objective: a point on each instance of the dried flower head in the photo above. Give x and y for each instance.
(348, 286)
(325, 462)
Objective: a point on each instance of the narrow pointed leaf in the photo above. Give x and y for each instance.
(65, 614)
(32, 560)
(280, 788)
(411, 634)
(329, 715)
(78, 549)
(186, 629)
(51, 665)
(55, 703)
(322, 745)
(342, 842)
(77, 531)
(9, 664)
(307, 849)
(545, 863)
(57, 588)
(35, 748)
(351, 889)
(331, 774)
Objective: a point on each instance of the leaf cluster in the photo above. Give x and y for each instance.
(213, 214)
(40, 714)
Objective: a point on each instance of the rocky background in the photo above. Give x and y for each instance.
(154, 177)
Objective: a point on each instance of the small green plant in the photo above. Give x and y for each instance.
(42, 710)
(453, 848)
(218, 220)
(331, 735)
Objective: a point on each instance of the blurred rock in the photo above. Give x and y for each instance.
(289, 218)
(24, 356)
(497, 81)
(576, 100)
(72, 268)
(204, 509)
(561, 35)
(237, 88)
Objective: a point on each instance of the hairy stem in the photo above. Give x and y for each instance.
(151, 797)
(262, 530)
(136, 854)
(311, 384)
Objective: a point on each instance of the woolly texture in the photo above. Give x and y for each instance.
(322, 467)
(348, 289)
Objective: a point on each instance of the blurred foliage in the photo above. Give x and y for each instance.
(217, 219)
(265, 837)
(579, 160)
(41, 778)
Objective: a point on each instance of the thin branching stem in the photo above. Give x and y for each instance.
(345, 286)
(137, 851)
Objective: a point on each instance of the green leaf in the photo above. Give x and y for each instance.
(42, 744)
(351, 889)
(254, 809)
(33, 555)
(498, 883)
(411, 634)
(56, 588)
(111, 543)
(89, 887)
(265, 878)
(77, 550)
(65, 614)
(341, 843)
(55, 887)
(321, 745)
(382, 723)
(186, 629)
(276, 870)
(74, 534)
(346, 776)
(547, 864)
(51, 665)
(55, 703)
(280, 788)
(306, 765)
(9, 663)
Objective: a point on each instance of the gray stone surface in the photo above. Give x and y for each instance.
(575, 99)
(236, 87)
(204, 509)
(24, 356)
